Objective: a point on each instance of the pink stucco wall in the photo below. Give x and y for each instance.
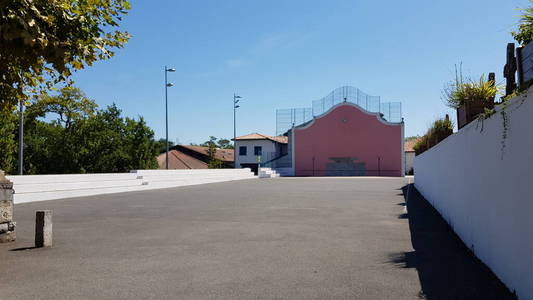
(358, 142)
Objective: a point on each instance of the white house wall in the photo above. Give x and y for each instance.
(268, 146)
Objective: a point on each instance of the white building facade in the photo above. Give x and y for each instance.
(255, 148)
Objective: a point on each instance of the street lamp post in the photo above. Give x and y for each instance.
(21, 139)
(167, 85)
(235, 106)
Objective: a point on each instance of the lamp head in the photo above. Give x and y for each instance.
(171, 70)
(170, 84)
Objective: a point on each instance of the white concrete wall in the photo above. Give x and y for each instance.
(486, 195)
(268, 147)
(30, 188)
(409, 161)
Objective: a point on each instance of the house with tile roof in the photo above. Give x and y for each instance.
(255, 148)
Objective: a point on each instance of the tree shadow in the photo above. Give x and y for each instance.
(447, 269)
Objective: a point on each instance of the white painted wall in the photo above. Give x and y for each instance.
(268, 147)
(487, 196)
(30, 188)
(409, 161)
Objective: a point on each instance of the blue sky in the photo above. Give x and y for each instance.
(284, 54)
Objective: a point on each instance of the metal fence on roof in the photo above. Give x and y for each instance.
(287, 118)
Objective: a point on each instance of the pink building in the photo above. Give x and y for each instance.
(347, 140)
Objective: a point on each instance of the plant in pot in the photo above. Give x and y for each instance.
(469, 97)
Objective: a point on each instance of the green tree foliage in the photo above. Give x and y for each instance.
(219, 143)
(441, 129)
(7, 140)
(162, 145)
(225, 144)
(524, 35)
(214, 163)
(43, 41)
(66, 133)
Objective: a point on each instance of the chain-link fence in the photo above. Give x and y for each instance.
(287, 118)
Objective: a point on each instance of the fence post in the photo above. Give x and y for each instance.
(509, 70)
(520, 67)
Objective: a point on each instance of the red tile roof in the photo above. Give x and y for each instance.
(258, 136)
(221, 154)
(180, 160)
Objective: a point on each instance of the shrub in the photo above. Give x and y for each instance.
(421, 145)
(440, 129)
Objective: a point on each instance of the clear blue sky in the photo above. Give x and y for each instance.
(284, 54)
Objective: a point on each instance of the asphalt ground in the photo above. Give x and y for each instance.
(285, 238)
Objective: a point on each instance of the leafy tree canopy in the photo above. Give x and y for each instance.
(218, 143)
(44, 41)
(162, 145)
(67, 133)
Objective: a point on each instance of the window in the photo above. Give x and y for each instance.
(257, 150)
(242, 150)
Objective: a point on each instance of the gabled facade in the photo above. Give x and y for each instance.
(347, 140)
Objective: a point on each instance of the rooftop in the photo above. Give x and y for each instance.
(258, 136)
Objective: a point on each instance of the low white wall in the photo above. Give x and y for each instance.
(30, 188)
(486, 195)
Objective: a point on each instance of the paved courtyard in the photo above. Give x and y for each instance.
(286, 238)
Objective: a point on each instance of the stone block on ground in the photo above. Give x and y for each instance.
(43, 228)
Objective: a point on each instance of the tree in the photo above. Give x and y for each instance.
(142, 147)
(69, 105)
(524, 35)
(162, 145)
(225, 144)
(219, 143)
(214, 163)
(8, 126)
(66, 133)
(44, 41)
(54, 146)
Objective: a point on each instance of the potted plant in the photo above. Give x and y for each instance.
(470, 98)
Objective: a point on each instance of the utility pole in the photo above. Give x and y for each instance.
(167, 85)
(235, 106)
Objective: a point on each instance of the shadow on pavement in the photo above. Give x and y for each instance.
(24, 248)
(447, 269)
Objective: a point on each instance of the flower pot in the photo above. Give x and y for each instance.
(470, 109)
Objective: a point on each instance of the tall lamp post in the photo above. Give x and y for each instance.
(167, 85)
(235, 106)
(21, 139)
